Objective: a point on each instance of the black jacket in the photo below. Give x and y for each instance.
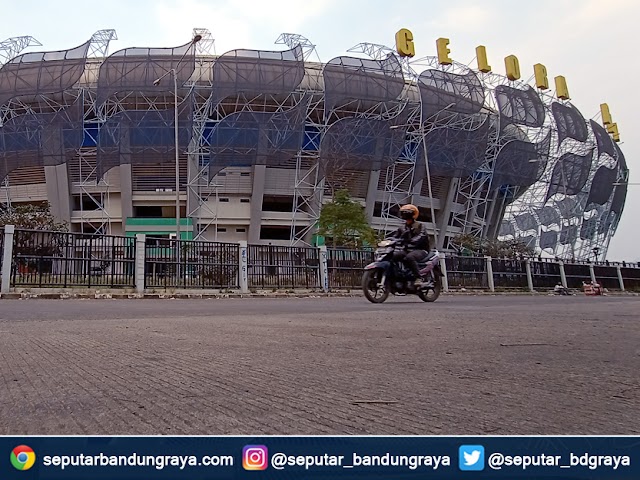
(414, 237)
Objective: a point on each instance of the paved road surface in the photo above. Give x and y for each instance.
(464, 365)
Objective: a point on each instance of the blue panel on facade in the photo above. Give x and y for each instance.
(311, 140)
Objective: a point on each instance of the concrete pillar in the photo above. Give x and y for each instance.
(324, 268)
(140, 262)
(56, 173)
(257, 193)
(592, 272)
(58, 192)
(527, 265)
(372, 194)
(492, 287)
(7, 258)
(243, 269)
(415, 191)
(445, 213)
(443, 267)
(126, 178)
(488, 219)
(563, 276)
(126, 193)
(620, 277)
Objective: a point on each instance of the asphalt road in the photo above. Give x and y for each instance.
(463, 365)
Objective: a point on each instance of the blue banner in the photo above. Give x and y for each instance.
(346, 457)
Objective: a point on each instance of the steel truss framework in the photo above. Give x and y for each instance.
(518, 163)
(573, 209)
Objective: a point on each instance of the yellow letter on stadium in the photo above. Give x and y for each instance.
(562, 91)
(404, 43)
(612, 128)
(443, 51)
(512, 65)
(606, 115)
(542, 81)
(481, 55)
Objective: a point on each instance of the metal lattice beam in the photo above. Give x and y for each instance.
(206, 45)
(293, 39)
(11, 47)
(100, 40)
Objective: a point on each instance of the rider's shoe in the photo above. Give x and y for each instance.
(420, 283)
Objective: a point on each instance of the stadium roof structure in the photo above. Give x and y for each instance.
(520, 163)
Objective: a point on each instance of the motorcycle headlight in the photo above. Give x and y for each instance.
(384, 243)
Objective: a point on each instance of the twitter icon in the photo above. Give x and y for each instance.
(471, 458)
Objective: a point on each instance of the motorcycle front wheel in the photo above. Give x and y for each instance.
(431, 294)
(374, 292)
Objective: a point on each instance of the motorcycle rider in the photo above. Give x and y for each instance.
(415, 239)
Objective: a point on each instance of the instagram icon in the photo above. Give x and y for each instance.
(255, 457)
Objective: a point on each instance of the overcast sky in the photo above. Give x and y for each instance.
(590, 42)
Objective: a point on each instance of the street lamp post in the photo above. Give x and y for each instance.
(156, 82)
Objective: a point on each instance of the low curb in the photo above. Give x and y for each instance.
(119, 295)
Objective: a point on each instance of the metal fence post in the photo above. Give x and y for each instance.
(620, 277)
(244, 266)
(7, 258)
(563, 276)
(139, 265)
(527, 266)
(492, 287)
(443, 268)
(592, 272)
(324, 268)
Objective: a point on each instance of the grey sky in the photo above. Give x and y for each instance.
(590, 42)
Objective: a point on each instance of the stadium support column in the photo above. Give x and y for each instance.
(56, 174)
(372, 194)
(445, 213)
(415, 191)
(257, 193)
(58, 192)
(498, 214)
(126, 182)
(126, 193)
(489, 222)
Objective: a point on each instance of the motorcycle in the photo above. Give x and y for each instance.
(385, 275)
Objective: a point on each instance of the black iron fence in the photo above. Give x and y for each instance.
(509, 273)
(62, 259)
(345, 267)
(200, 264)
(271, 266)
(545, 274)
(607, 276)
(631, 278)
(467, 272)
(577, 273)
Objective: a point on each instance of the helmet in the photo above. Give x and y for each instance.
(409, 212)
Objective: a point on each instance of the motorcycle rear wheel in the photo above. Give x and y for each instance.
(370, 288)
(432, 294)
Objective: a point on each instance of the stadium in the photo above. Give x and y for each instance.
(254, 142)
